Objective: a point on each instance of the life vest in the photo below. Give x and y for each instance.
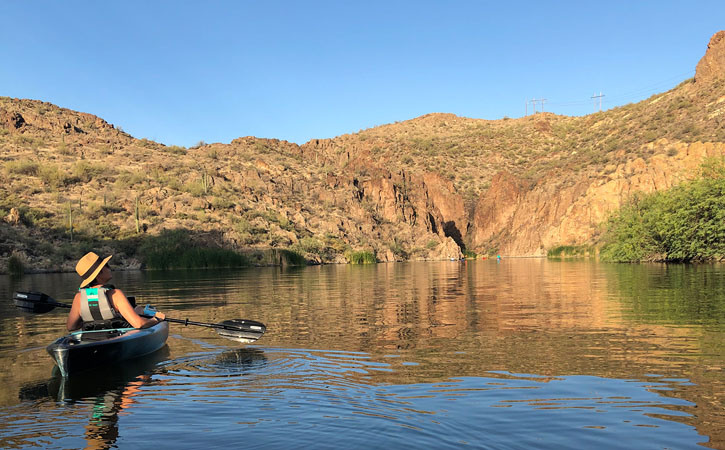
(96, 306)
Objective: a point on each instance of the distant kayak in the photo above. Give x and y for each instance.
(83, 350)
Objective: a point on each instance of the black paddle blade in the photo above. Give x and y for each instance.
(35, 302)
(240, 330)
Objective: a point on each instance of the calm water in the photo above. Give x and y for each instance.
(524, 353)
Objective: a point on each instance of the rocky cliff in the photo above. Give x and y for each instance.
(712, 66)
(527, 219)
(521, 219)
(426, 188)
(520, 187)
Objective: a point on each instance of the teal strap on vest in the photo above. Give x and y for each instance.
(95, 305)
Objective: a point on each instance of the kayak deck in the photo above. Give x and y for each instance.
(83, 350)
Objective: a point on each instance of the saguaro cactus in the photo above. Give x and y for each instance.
(205, 182)
(70, 220)
(136, 216)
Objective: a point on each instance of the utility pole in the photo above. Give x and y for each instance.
(595, 97)
(540, 100)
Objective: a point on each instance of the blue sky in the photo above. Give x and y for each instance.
(180, 72)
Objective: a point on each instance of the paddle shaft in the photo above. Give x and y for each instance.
(203, 324)
(59, 305)
(245, 326)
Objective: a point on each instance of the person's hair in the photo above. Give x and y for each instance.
(95, 280)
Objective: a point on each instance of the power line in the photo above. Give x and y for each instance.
(653, 87)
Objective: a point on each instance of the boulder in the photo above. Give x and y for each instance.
(11, 120)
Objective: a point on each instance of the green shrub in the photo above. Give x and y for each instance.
(29, 142)
(247, 238)
(85, 171)
(310, 245)
(147, 143)
(361, 257)
(54, 176)
(570, 251)
(195, 188)
(178, 249)
(7, 202)
(685, 223)
(242, 225)
(175, 149)
(107, 230)
(65, 149)
(293, 258)
(15, 266)
(221, 203)
(22, 168)
(397, 249)
(128, 179)
(111, 209)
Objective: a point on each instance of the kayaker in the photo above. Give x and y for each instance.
(98, 303)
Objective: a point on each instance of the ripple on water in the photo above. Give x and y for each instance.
(273, 397)
(297, 397)
(618, 347)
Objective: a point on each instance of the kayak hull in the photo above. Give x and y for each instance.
(85, 350)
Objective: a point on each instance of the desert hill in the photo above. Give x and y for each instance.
(426, 188)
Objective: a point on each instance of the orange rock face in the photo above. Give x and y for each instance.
(712, 65)
(523, 221)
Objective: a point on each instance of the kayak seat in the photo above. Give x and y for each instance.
(100, 336)
(109, 324)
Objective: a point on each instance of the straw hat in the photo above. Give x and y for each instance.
(89, 266)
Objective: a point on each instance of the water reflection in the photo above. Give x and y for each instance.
(670, 293)
(366, 338)
(332, 399)
(110, 391)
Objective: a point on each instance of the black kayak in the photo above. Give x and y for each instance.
(83, 350)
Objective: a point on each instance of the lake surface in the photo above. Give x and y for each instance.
(525, 353)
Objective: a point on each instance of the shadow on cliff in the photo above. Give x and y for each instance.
(450, 229)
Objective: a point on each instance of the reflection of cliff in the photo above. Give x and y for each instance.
(25, 332)
(453, 319)
(408, 305)
(527, 316)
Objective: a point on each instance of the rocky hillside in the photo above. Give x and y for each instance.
(427, 188)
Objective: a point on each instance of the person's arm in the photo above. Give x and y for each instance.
(122, 305)
(74, 320)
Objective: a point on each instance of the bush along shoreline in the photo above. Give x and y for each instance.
(171, 249)
(683, 224)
